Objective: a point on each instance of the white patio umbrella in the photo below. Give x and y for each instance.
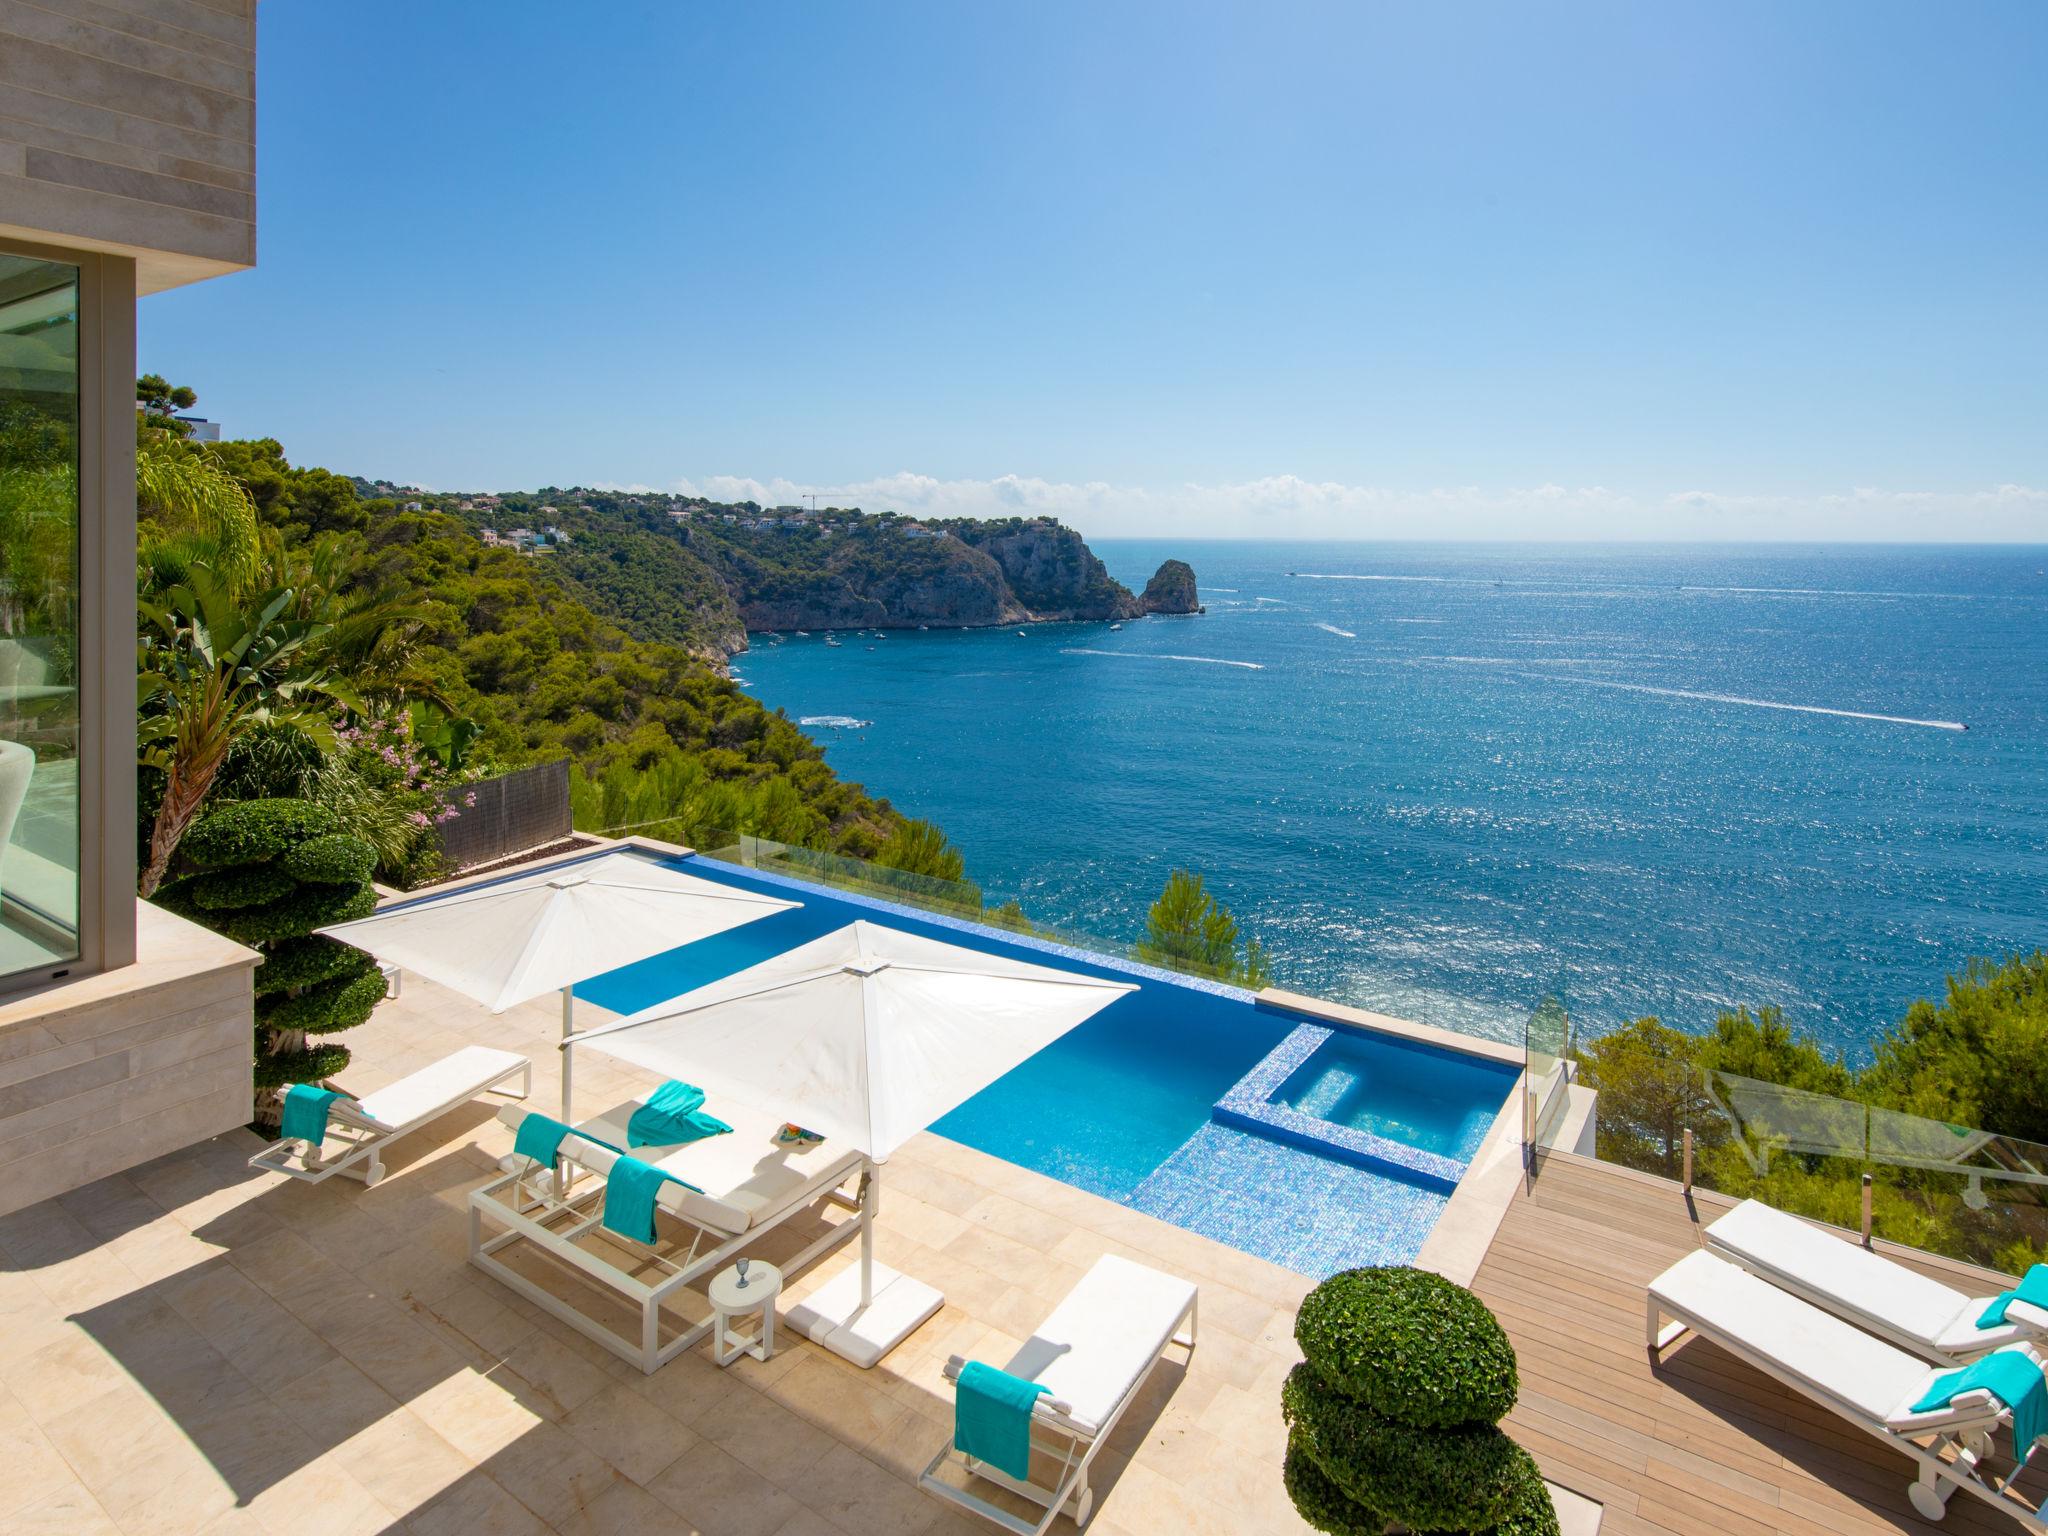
(867, 1035)
(512, 940)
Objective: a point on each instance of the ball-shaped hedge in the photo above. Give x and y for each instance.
(1458, 1479)
(251, 831)
(1531, 1512)
(245, 885)
(337, 858)
(307, 962)
(1409, 1345)
(310, 907)
(326, 1009)
(1319, 1500)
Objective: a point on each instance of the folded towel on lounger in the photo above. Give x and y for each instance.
(2033, 1287)
(305, 1113)
(540, 1138)
(2011, 1376)
(629, 1191)
(672, 1115)
(992, 1417)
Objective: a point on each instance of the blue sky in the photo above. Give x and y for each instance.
(1574, 270)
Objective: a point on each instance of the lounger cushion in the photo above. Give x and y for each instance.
(462, 1075)
(747, 1177)
(1103, 1337)
(1874, 1291)
(1836, 1361)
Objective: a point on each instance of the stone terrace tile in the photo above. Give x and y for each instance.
(190, 1347)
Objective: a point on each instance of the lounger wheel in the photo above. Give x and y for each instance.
(1927, 1501)
(1084, 1506)
(373, 1173)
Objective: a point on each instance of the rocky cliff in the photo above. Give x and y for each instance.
(885, 579)
(1050, 568)
(1171, 590)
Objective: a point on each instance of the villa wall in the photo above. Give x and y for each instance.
(110, 1071)
(129, 127)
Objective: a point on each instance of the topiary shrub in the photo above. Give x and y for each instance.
(1392, 1413)
(336, 859)
(1410, 1345)
(255, 831)
(269, 873)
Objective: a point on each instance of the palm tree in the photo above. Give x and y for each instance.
(209, 665)
(199, 505)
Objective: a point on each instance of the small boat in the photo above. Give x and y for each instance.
(1114, 628)
(1020, 634)
(805, 633)
(871, 647)
(924, 626)
(831, 642)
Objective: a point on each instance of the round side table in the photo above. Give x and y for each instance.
(730, 1299)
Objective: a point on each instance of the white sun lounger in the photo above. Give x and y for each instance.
(1934, 1321)
(747, 1183)
(1091, 1355)
(363, 1126)
(1870, 1383)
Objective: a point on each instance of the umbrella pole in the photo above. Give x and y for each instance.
(868, 1202)
(568, 1054)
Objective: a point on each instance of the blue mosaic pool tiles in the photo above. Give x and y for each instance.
(1249, 1105)
(1293, 1207)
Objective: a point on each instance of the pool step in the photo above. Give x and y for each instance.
(1287, 1205)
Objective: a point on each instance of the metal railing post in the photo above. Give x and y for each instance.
(1688, 1159)
(1866, 1209)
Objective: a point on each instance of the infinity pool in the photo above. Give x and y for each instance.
(1120, 1106)
(1420, 1097)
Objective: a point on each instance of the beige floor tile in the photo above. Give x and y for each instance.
(401, 1355)
(808, 1522)
(66, 1511)
(61, 1375)
(721, 1496)
(767, 1437)
(475, 1505)
(476, 1416)
(404, 1464)
(856, 1494)
(320, 1499)
(851, 1405)
(689, 1388)
(552, 1473)
(31, 1469)
(626, 1509)
(550, 1378)
(1249, 1421)
(629, 1431)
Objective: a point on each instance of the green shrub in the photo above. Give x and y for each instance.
(326, 1009)
(338, 858)
(295, 963)
(310, 907)
(1409, 1345)
(247, 885)
(287, 1067)
(252, 831)
(1320, 1501)
(1531, 1512)
(1459, 1479)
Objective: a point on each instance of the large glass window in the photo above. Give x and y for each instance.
(39, 706)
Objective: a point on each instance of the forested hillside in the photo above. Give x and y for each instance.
(518, 645)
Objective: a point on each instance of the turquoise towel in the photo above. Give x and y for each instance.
(540, 1138)
(305, 1113)
(629, 1191)
(660, 1121)
(2033, 1287)
(2008, 1375)
(992, 1417)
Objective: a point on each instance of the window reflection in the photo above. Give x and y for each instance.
(39, 706)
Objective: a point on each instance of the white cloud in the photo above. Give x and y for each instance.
(1288, 506)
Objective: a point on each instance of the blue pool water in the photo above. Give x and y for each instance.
(1440, 780)
(1406, 1093)
(1120, 1105)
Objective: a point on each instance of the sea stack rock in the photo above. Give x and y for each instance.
(1171, 589)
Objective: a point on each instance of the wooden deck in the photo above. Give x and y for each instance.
(1701, 1444)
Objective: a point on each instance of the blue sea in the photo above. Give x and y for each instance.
(1447, 780)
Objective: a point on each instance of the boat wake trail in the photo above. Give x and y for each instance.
(836, 722)
(1213, 661)
(1735, 698)
(1334, 630)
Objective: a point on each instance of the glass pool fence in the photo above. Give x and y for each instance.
(1950, 1189)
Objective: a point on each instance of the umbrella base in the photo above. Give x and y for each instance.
(833, 1317)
